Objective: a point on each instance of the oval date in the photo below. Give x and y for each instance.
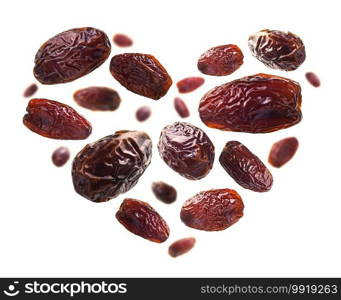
(187, 150)
(282, 151)
(70, 55)
(256, 104)
(164, 192)
(112, 165)
(180, 247)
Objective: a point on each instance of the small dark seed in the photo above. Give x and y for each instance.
(60, 156)
(181, 108)
(143, 113)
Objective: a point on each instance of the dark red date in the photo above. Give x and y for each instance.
(164, 192)
(187, 150)
(30, 90)
(56, 120)
(143, 113)
(141, 219)
(313, 79)
(282, 151)
(60, 156)
(141, 74)
(257, 104)
(70, 55)
(245, 167)
(277, 49)
(122, 40)
(181, 107)
(181, 247)
(112, 165)
(212, 210)
(190, 84)
(221, 60)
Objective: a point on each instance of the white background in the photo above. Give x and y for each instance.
(46, 229)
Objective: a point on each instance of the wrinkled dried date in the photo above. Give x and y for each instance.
(112, 165)
(70, 55)
(141, 74)
(187, 150)
(143, 113)
(282, 151)
(212, 210)
(313, 79)
(60, 156)
(221, 60)
(97, 98)
(181, 107)
(141, 219)
(164, 192)
(277, 49)
(55, 120)
(257, 104)
(30, 90)
(190, 84)
(122, 40)
(181, 247)
(245, 167)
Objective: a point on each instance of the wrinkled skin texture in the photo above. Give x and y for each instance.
(256, 104)
(122, 40)
(282, 151)
(141, 219)
(189, 84)
(141, 74)
(55, 120)
(221, 60)
(30, 90)
(277, 49)
(112, 165)
(212, 210)
(70, 55)
(60, 156)
(181, 108)
(97, 98)
(313, 79)
(187, 150)
(245, 167)
(164, 192)
(143, 113)
(181, 247)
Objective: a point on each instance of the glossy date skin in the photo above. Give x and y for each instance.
(112, 165)
(55, 120)
(181, 247)
(141, 219)
(283, 151)
(245, 167)
(212, 210)
(70, 55)
(187, 150)
(97, 98)
(255, 104)
(277, 49)
(141, 74)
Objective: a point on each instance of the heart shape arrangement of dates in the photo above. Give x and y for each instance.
(111, 166)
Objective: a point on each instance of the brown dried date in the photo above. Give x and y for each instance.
(282, 151)
(143, 113)
(277, 49)
(97, 98)
(30, 90)
(70, 55)
(181, 247)
(164, 192)
(187, 150)
(221, 60)
(122, 40)
(313, 79)
(190, 84)
(181, 107)
(257, 104)
(112, 165)
(60, 156)
(141, 219)
(141, 74)
(245, 167)
(55, 120)
(212, 210)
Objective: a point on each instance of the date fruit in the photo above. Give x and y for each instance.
(181, 107)
(221, 60)
(55, 120)
(143, 113)
(256, 104)
(141, 74)
(141, 219)
(122, 40)
(277, 49)
(60, 156)
(313, 79)
(212, 210)
(187, 150)
(30, 90)
(164, 192)
(245, 167)
(112, 165)
(282, 151)
(97, 98)
(190, 84)
(181, 247)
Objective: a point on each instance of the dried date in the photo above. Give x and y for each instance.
(60, 156)
(181, 107)
(212, 210)
(277, 49)
(70, 55)
(112, 165)
(55, 120)
(187, 150)
(245, 167)
(143, 113)
(256, 104)
(190, 84)
(141, 219)
(30, 90)
(164, 192)
(141, 74)
(313, 79)
(97, 98)
(122, 40)
(181, 247)
(282, 151)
